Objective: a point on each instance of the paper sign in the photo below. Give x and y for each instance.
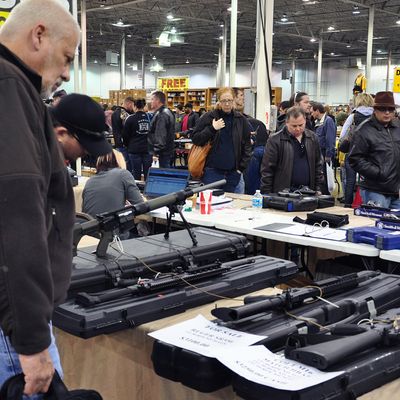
(396, 80)
(204, 337)
(174, 83)
(258, 364)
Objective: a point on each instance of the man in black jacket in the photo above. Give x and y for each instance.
(375, 154)
(190, 119)
(292, 157)
(37, 203)
(162, 131)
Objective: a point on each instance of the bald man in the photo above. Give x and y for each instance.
(37, 45)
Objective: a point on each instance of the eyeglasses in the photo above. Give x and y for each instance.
(385, 109)
(227, 101)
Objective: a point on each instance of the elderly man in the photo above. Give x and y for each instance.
(37, 205)
(292, 157)
(375, 154)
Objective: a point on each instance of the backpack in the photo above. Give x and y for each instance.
(345, 143)
(13, 388)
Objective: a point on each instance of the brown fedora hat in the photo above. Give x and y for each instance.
(384, 99)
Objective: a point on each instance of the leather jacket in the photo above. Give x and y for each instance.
(375, 154)
(277, 162)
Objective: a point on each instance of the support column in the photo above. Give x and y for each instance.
(232, 54)
(76, 59)
(223, 55)
(219, 66)
(143, 72)
(388, 69)
(293, 81)
(83, 46)
(265, 16)
(122, 64)
(319, 72)
(370, 44)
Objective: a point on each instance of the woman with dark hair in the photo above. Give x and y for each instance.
(135, 134)
(302, 100)
(112, 188)
(229, 133)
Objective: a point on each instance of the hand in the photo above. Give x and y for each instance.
(218, 124)
(38, 370)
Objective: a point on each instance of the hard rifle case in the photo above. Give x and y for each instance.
(239, 277)
(91, 273)
(178, 364)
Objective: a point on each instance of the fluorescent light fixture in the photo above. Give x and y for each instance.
(129, 35)
(229, 9)
(332, 54)
(348, 46)
(221, 38)
(284, 18)
(187, 62)
(331, 28)
(170, 17)
(356, 10)
(398, 22)
(379, 51)
(154, 58)
(222, 25)
(313, 40)
(173, 30)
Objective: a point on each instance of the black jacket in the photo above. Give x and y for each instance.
(204, 132)
(277, 162)
(375, 154)
(118, 118)
(162, 132)
(135, 132)
(36, 211)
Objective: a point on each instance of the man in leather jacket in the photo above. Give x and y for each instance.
(292, 157)
(375, 154)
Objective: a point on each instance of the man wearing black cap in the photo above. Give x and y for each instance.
(375, 154)
(79, 123)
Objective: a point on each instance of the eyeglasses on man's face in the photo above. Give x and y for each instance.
(226, 101)
(385, 109)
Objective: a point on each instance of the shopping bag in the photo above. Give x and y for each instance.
(330, 177)
(197, 159)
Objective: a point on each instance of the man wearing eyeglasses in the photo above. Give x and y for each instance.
(375, 154)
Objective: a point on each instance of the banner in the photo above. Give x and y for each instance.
(174, 83)
(7, 5)
(396, 80)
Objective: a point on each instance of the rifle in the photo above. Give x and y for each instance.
(330, 349)
(292, 298)
(144, 287)
(106, 223)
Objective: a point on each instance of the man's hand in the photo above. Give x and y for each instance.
(38, 370)
(218, 124)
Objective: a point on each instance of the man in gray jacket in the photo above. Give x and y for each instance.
(292, 157)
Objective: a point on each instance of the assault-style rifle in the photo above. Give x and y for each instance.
(292, 298)
(345, 341)
(104, 225)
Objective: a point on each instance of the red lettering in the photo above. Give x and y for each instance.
(169, 83)
(182, 83)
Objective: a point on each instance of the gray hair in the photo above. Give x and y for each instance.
(51, 13)
(294, 112)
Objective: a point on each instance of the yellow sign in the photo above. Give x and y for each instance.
(3, 16)
(396, 80)
(174, 83)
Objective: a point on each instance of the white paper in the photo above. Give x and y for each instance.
(258, 364)
(204, 337)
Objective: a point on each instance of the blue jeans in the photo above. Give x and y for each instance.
(379, 199)
(140, 162)
(213, 175)
(253, 174)
(9, 361)
(124, 152)
(240, 186)
(165, 160)
(350, 183)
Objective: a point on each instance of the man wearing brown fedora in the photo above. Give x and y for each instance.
(375, 154)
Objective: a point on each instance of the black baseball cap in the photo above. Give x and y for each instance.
(85, 119)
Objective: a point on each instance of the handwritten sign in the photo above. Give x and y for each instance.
(203, 336)
(174, 83)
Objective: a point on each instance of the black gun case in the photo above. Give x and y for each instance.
(91, 273)
(379, 293)
(86, 316)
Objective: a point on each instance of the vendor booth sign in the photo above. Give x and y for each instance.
(173, 83)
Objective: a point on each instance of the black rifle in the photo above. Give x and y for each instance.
(292, 298)
(143, 287)
(123, 219)
(331, 349)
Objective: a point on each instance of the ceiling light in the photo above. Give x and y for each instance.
(95, 62)
(284, 18)
(313, 40)
(120, 22)
(332, 54)
(331, 28)
(129, 35)
(221, 38)
(379, 51)
(305, 1)
(222, 25)
(128, 65)
(398, 22)
(173, 30)
(348, 46)
(356, 10)
(154, 58)
(170, 16)
(229, 9)
(187, 61)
